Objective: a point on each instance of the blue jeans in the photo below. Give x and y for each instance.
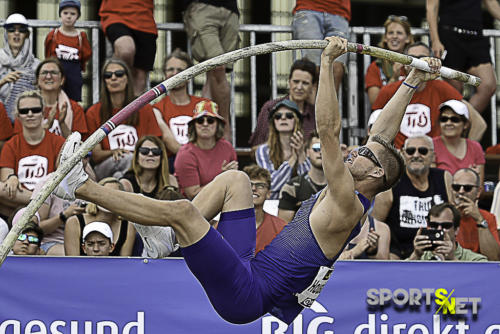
(310, 24)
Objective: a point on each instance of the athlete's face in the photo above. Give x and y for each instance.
(260, 191)
(418, 155)
(363, 162)
(69, 15)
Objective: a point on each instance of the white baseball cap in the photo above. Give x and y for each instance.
(373, 117)
(15, 18)
(100, 227)
(457, 106)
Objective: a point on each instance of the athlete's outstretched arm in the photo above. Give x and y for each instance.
(388, 123)
(329, 121)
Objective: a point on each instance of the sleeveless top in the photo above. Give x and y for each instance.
(409, 210)
(136, 187)
(291, 261)
(119, 243)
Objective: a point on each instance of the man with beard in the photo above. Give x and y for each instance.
(405, 206)
(302, 187)
(175, 110)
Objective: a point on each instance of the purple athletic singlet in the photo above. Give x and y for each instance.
(242, 288)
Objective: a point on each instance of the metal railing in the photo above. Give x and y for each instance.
(354, 99)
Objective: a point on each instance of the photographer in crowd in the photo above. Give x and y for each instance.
(438, 241)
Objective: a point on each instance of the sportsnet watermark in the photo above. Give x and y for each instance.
(440, 303)
(34, 326)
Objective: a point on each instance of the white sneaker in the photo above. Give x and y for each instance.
(159, 241)
(76, 177)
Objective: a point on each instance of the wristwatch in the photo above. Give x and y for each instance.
(483, 224)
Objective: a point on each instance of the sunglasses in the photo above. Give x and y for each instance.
(316, 147)
(259, 185)
(201, 120)
(367, 153)
(278, 115)
(421, 150)
(20, 29)
(109, 74)
(467, 187)
(453, 119)
(444, 225)
(31, 238)
(395, 17)
(53, 73)
(25, 111)
(146, 150)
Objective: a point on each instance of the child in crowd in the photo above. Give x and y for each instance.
(70, 46)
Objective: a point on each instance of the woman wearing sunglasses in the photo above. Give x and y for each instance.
(62, 114)
(207, 154)
(283, 155)
(28, 156)
(123, 231)
(148, 174)
(17, 62)
(396, 37)
(112, 156)
(453, 150)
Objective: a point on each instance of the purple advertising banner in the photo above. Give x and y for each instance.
(50, 295)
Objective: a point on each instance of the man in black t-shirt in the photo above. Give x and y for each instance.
(405, 207)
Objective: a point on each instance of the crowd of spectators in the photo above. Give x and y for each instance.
(172, 149)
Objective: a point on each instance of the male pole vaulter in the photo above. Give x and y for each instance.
(288, 274)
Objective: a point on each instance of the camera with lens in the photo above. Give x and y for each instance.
(434, 235)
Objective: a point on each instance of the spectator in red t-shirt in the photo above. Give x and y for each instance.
(422, 114)
(397, 36)
(113, 155)
(28, 156)
(175, 110)
(62, 115)
(267, 225)
(71, 46)
(454, 151)
(478, 227)
(130, 27)
(207, 154)
(6, 129)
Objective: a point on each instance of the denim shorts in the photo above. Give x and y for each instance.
(48, 245)
(310, 24)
